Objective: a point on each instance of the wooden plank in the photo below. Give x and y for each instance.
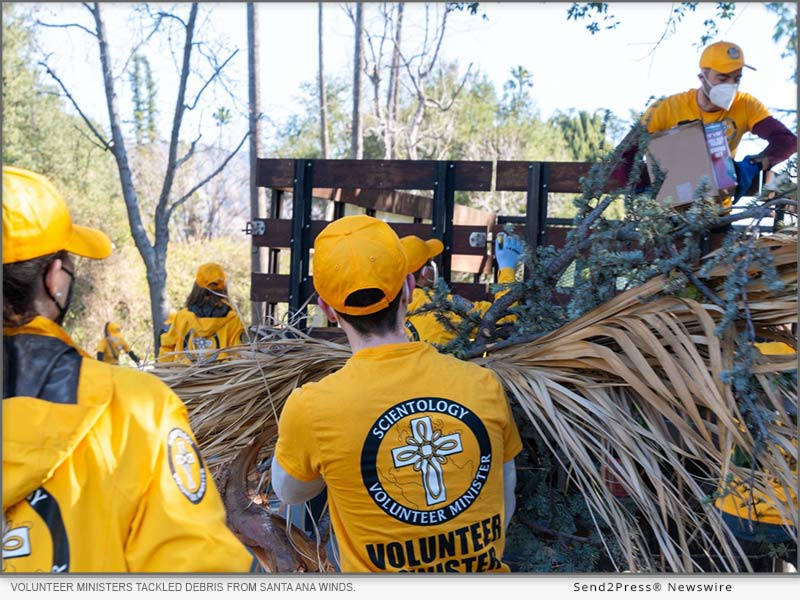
(472, 176)
(422, 230)
(269, 287)
(375, 174)
(471, 291)
(278, 232)
(461, 237)
(565, 177)
(275, 172)
(512, 176)
(334, 334)
(556, 236)
(404, 175)
(399, 203)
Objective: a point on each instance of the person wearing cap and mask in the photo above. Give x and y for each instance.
(718, 99)
(101, 470)
(206, 324)
(416, 448)
(112, 345)
(425, 325)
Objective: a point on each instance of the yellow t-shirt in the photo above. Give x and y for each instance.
(411, 444)
(740, 118)
(425, 327)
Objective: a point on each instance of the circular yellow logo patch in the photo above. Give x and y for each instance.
(186, 465)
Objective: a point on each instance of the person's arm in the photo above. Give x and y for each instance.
(291, 490)
(509, 486)
(179, 523)
(629, 146)
(781, 143)
(167, 344)
(133, 356)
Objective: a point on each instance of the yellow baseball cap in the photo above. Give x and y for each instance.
(723, 57)
(358, 253)
(36, 221)
(113, 328)
(419, 251)
(211, 276)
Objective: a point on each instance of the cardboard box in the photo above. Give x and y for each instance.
(686, 154)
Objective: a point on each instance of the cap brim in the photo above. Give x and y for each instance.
(88, 242)
(435, 247)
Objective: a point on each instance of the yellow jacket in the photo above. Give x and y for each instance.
(111, 348)
(425, 327)
(757, 506)
(193, 338)
(101, 470)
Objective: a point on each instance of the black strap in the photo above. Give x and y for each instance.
(42, 367)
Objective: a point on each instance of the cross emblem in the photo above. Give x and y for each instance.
(186, 459)
(202, 343)
(427, 451)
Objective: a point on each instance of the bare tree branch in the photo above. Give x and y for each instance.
(66, 26)
(142, 43)
(189, 152)
(445, 107)
(754, 212)
(167, 15)
(210, 79)
(162, 213)
(89, 139)
(103, 141)
(213, 174)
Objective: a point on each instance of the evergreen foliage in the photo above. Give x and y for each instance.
(609, 256)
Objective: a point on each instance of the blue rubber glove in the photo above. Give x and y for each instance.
(507, 250)
(747, 169)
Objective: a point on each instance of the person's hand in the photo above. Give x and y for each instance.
(760, 160)
(134, 358)
(507, 250)
(746, 170)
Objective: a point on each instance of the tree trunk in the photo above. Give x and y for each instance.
(154, 259)
(323, 105)
(153, 253)
(256, 203)
(356, 142)
(392, 95)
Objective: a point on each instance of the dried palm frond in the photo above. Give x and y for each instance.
(636, 388)
(230, 402)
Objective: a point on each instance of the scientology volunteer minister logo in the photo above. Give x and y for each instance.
(416, 461)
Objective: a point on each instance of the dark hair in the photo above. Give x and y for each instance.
(21, 283)
(383, 321)
(200, 296)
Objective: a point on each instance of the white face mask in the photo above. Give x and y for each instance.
(431, 272)
(722, 94)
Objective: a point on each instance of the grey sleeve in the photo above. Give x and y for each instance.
(291, 490)
(509, 484)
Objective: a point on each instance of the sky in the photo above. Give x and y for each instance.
(618, 69)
